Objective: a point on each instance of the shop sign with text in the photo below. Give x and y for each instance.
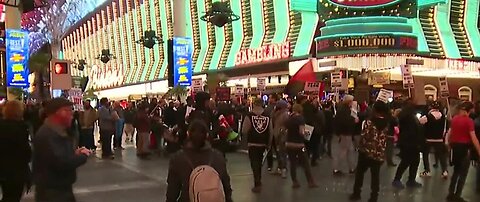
(366, 44)
(265, 53)
(17, 55)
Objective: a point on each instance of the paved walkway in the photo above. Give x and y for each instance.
(128, 179)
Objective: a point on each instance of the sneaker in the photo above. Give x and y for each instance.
(269, 170)
(398, 184)
(355, 197)
(414, 184)
(426, 174)
(445, 174)
(284, 173)
(278, 172)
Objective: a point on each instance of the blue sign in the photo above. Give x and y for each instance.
(182, 61)
(17, 58)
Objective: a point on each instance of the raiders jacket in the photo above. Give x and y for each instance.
(257, 127)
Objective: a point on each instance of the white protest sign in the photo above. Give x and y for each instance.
(197, 85)
(407, 76)
(312, 87)
(443, 83)
(239, 90)
(261, 86)
(384, 95)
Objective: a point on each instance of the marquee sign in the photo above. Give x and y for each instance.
(265, 53)
(106, 77)
(366, 44)
(363, 3)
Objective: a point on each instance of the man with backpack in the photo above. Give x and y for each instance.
(198, 173)
(256, 127)
(372, 150)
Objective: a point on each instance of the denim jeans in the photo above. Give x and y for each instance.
(117, 141)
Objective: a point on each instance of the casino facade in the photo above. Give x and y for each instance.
(267, 36)
(273, 38)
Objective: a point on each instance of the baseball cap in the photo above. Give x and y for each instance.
(53, 105)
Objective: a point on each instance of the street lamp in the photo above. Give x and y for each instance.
(106, 56)
(81, 64)
(150, 39)
(220, 14)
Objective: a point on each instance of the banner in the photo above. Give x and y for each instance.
(407, 77)
(197, 85)
(222, 93)
(17, 53)
(443, 83)
(261, 84)
(384, 95)
(239, 91)
(182, 61)
(75, 95)
(312, 88)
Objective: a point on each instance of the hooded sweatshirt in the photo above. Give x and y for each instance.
(257, 127)
(435, 126)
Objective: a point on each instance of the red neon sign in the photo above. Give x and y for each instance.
(263, 54)
(362, 3)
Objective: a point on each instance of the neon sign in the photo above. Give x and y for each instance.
(363, 3)
(17, 58)
(263, 54)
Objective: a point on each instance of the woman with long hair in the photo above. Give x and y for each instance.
(463, 142)
(14, 170)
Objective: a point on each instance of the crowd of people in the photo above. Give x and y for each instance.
(197, 133)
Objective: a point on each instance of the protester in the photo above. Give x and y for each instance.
(279, 120)
(463, 142)
(196, 152)
(328, 130)
(372, 147)
(119, 124)
(88, 118)
(257, 127)
(272, 101)
(344, 126)
(106, 122)
(129, 118)
(434, 134)
(143, 126)
(55, 159)
(297, 153)
(15, 152)
(411, 141)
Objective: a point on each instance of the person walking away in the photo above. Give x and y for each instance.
(55, 159)
(343, 125)
(106, 122)
(434, 134)
(462, 141)
(279, 120)
(129, 118)
(297, 153)
(312, 116)
(328, 129)
(371, 149)
(393, 132)
(272, 101)
(197, 153)
(88, 118)
(411, 141)
(118, 140)
(15, 153)
(143, 126)
(257, 127)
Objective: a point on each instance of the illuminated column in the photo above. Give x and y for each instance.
(13, 17)
(179, 21)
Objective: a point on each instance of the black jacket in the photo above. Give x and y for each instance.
(179, 172)
(435, 127)
(54, 159)
(411, 136)
(15, 152)
(344, 123)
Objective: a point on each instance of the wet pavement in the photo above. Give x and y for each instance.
(129, 179)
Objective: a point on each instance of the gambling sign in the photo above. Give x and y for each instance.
(366, 44)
